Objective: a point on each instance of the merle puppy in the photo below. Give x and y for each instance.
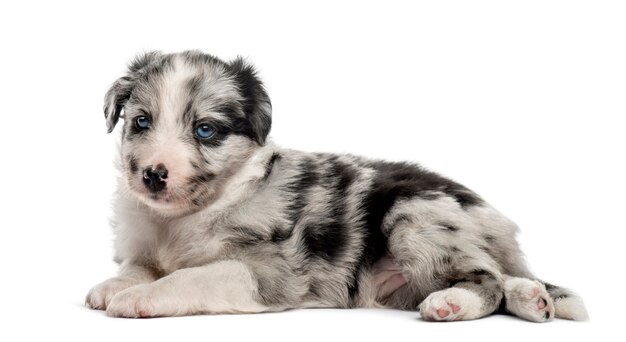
(211, 217)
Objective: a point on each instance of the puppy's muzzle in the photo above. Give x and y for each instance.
(155, 179)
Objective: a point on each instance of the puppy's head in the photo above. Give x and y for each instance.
(190, 122)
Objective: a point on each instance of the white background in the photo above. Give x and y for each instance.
(521, 101)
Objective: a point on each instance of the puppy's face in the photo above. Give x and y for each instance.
(190, 122)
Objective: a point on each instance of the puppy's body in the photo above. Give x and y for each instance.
(233, 223)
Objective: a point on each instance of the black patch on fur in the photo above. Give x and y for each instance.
(270, 164)
(280, 235)
(327, 239)
(256, 103)
(450, 228)
(481, 272)
(194, 85)
(406, 180)
(132, 164)
(314, 289)
(341, 171)
(188, 113)
(489, 238)
(306, 178)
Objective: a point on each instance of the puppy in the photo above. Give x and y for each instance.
(211, 217)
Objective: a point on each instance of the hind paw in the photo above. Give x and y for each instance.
(453, 304)
(528, 299)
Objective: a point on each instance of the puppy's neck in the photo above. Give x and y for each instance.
(246, 181)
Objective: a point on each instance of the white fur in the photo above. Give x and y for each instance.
(220, 287)
(101, 295)
(571, 308)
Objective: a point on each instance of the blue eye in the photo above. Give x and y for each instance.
(143, 122)
(205, 131)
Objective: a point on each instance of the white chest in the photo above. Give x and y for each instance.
(186, 244)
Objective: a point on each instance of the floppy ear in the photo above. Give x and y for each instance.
(257, 105)
(119, 93)
(115, 99)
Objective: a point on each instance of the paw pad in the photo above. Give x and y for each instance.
(541, 303)
(443, 313)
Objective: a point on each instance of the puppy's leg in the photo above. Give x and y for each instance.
(528, 299)
(476, 296)
(130, 275)
(438, 249)
(222, 287)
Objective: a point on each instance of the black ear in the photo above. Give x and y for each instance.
(119, 93)
(257, 105)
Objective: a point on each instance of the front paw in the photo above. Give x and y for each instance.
(100, 295)
(137, 301)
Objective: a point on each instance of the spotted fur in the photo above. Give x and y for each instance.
(243, 225)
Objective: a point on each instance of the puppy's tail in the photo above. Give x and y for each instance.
(567, 304)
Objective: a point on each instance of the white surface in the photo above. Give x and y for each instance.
(523, 103)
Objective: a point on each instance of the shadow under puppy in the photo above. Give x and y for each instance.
(211, 217)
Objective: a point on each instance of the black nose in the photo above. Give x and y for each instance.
(154, 179)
